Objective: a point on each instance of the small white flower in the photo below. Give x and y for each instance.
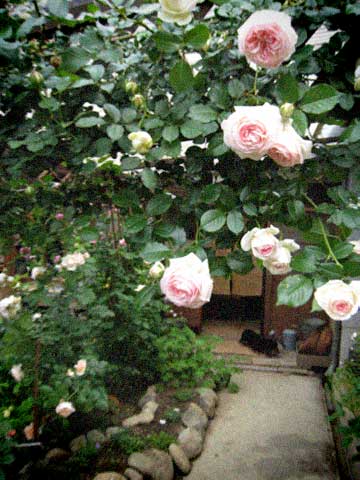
(17, 372)
(36, 316)
(65, 409)
(70, 372)
(73, 260)
(162, 421)
(36, 272)
(9, 306)
(177, 410)
(80, 367)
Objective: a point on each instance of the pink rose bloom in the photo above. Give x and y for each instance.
(279, 264)
(59, 216)
(187, 282)
(288, 148)
(57, 258)
(249, 130)
(122, 242)
(261, 241)
(80, 367)
(339, 300)
(267, 38)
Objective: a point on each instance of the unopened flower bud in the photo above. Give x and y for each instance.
(156, 270)
(286, 110)
(36, 78)
(138, 100)
(131, 87)
(141, 141)
(29, 190)
(55, 61)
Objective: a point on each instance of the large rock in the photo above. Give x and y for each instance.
(132, 474)
(195, 417)
(149, 396)
(155, 463)
(147, 415)
(208, 401)
(179, 457)
(191, 441)
(56, 455)
(78, 443)
(95, 436)
(109, 476)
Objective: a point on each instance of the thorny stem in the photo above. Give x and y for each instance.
(324, 234)
(255, 90)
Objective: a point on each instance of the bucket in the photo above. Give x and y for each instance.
(289, 340)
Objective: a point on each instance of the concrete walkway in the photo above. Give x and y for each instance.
(275, 428)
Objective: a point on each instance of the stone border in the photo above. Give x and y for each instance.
(154, 463)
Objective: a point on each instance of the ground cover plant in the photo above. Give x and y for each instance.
(137, 139)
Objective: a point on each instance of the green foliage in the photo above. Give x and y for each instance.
(171, 415)
(233, 387)
(186, 360)
(184, 395)
(161, 440)
(128, 442)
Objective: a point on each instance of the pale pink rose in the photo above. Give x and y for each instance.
(59, 216)
(356, 244)
(80, 367)
(267, 38)
(65, 409)
(261, 241)
(279, 264)
(57, 258)
(122, 242)
(187, 282)
(288, 148)
(29, 431)
(339, 300)
(249, 131)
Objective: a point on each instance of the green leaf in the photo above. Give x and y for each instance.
(128, 115)
(235, 222)
(28, 25)
(58, 8)
(306, 260)
(287, 89)
(212, 220)
(202, 113)
(74, 58)
(96, 72)
(342, 249)
(250, 209)
(170, 133)
(240, 262)
(149, 178)
(82, 82)
(166, 42)
(154, 251)
(115, 132)
(159, 204)
(135, 224)
(197, 36)
(191, 129)
(210, 193)
(300, 122)
(88, 122)
(319, 99)
(130, 163)
(146, 295)
(294, 291)
(181, 77)
(351, 134)
(296, 209)
(113, 112)
(236, 88)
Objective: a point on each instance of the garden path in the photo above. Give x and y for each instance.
(274, 428)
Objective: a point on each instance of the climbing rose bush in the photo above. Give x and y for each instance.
(187, 282)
